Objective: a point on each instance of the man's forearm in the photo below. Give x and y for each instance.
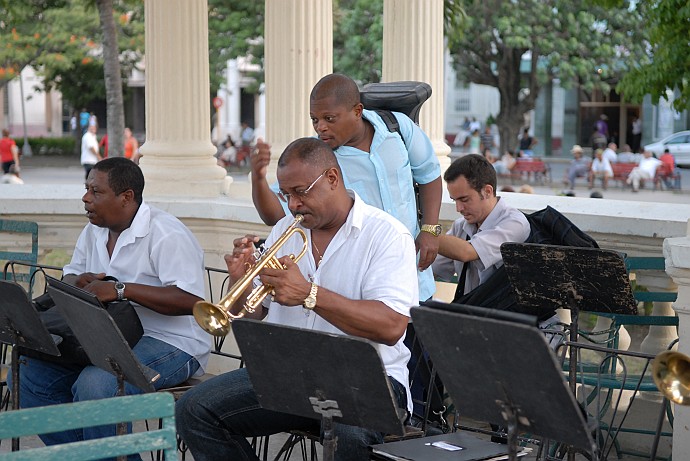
(266, 202)
(456, 248)
(430, 200)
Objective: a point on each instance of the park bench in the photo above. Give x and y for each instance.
(526, 169)
(666, 174)
(621, 172)
(77, 415)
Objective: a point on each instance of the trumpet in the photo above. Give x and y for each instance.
(671, 374)
(217, 318)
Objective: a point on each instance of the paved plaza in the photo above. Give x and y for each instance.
(67, 170)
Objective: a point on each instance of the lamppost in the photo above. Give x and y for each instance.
(26, 148)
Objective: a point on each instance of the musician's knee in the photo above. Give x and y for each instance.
(94, 383)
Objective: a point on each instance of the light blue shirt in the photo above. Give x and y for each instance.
(385, 176)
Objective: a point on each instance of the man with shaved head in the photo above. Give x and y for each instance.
(324, 291)
(376, 163)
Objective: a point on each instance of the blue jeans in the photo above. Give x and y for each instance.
(44, 383)
(215, 418)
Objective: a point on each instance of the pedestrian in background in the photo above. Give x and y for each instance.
(9, 152)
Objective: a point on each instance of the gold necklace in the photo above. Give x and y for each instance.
(318, 252)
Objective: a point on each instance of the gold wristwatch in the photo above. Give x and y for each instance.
(310, 301)
(433, 229)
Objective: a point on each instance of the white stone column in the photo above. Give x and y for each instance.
(298, 52)
(413, 50)
(677, 255)
(178, 153)
(230, 121)
(260, 119)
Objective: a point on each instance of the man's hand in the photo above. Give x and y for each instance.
(260, 160)
(242, 256)
(427, 246)
(86, 278)
(290, 286)
(104, 290)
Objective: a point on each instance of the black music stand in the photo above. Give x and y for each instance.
(102, 341)
(21, 327)
(318, 375)
(579, 279)
(502, 370)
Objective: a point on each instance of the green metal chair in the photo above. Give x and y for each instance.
(77, 415)
(613, 370)
(16, 239)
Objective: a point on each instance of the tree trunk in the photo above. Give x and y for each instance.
(113, 80)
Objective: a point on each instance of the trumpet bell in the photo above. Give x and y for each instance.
(212, 318)
(671, 374)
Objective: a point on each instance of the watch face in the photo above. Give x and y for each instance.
(309, 303)
(119, 285)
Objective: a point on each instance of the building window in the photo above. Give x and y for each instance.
(462, 97)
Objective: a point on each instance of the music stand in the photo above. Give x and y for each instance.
(579, 279)
(321, 375)
(102, 341)
(498, 370)
(21, 327)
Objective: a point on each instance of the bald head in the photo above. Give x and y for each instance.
(311, 151)
(338, 86)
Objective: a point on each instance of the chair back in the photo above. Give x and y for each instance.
(15, 246)
(78, 415)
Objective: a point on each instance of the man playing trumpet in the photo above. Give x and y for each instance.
(357, 278)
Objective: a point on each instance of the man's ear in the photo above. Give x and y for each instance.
(333, 177)
(127, 197)
(359, 107)
(488, 191)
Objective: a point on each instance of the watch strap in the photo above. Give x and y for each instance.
(310, 301)
(433, 229)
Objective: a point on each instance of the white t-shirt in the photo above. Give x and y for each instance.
(371, 257)
(610, 155)
(649, 166)
(156, 250)
(89, 141)
(601, 166)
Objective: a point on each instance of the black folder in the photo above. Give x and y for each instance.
(455, 446)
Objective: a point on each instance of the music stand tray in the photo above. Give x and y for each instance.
(497, 370)
(102, 340)
(318, 375)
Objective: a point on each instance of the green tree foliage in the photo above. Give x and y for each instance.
(235, 28)
(63, 41)
(667, 66)
(575, 42)
(358, 39)
(28, 37)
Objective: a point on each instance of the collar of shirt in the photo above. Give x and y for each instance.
(489, 222)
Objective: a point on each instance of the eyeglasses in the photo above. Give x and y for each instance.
(300, 194)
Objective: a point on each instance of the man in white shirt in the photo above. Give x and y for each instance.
(610, 153)
(159, 267)
(89, 150)
(645, 170)
(323, 291)
(600, 169)
(247, 134)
